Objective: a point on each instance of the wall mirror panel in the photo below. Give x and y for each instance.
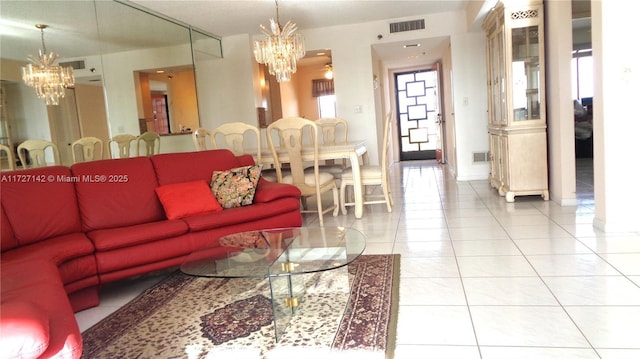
(110, 43)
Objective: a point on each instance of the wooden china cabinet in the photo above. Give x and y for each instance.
(516, 93)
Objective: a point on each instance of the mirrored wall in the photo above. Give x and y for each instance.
(135, 71)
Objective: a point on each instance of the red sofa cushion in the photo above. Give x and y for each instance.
(7, 239)
(233, 216)
(187, 198)
(122, 193)
(124, 237)
(192, 166)
(56, 250)
(155, 255)
(39, 195)
(42, 286)
(25, 330)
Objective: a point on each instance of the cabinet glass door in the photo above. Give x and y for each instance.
(525, 72)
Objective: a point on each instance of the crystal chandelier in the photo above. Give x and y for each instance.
(48, 79)
(280, 49)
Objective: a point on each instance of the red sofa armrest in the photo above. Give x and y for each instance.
(268, 191)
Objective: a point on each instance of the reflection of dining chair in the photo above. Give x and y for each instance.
(151, 142)
(36, 150)
(201, 137)
(372, 176)
(124, 145)
(289, 132)
(11, 159)
(334, 131)
(90, 147)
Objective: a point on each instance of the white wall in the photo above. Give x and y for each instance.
(353, 78)
(468, 64)
(120, 87)
(354, 68)
(26, 112)
(232, 95)
(448, 113)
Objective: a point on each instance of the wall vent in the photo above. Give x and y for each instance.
(77, 65)
(410, 25)
(481, 157)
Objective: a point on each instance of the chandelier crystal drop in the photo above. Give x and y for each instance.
(48, 79)
(280, 49)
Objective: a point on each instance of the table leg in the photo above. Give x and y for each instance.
(357, 184)
(284, 302)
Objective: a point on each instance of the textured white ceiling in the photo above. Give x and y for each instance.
(224, 17)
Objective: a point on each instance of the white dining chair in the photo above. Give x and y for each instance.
(6, 151)
(123, 144)
(371, 176)
(87, 149)
(150, 142)
(202, 139)
(333, 131)
(289, 133)
(36, 150)
(234, 136)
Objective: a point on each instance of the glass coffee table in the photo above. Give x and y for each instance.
(278, 255)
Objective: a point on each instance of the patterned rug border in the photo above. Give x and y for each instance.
(117, 324)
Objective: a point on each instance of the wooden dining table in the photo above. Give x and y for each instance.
(351, 150)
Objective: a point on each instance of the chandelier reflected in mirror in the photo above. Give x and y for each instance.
(280, 49)
(48, 79)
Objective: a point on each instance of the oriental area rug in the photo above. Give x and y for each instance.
(344, 313)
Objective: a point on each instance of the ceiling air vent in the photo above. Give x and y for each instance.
(406, 26)
(77, 65)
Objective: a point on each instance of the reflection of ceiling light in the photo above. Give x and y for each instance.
(48, 79)
(280, 49)
(329, 73)
(160, 71)
(411, 45)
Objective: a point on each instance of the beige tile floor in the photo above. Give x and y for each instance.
(482, 278)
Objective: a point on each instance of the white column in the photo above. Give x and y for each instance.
(616, 115)
(560, 125)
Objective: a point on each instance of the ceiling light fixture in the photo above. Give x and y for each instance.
(48, 79)
(329, 71)
(280, 49)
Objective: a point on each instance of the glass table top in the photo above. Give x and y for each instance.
(277, 252)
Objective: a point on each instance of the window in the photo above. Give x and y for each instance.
(323, 90)
(582, 74)
(327, 106)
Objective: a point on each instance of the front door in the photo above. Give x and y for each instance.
(418, 110)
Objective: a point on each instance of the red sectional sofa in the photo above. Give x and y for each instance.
(66, 231)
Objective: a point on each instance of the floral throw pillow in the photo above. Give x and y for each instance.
(235, 187)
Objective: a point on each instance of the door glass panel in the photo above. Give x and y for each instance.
(417, 112)
(415, 89)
